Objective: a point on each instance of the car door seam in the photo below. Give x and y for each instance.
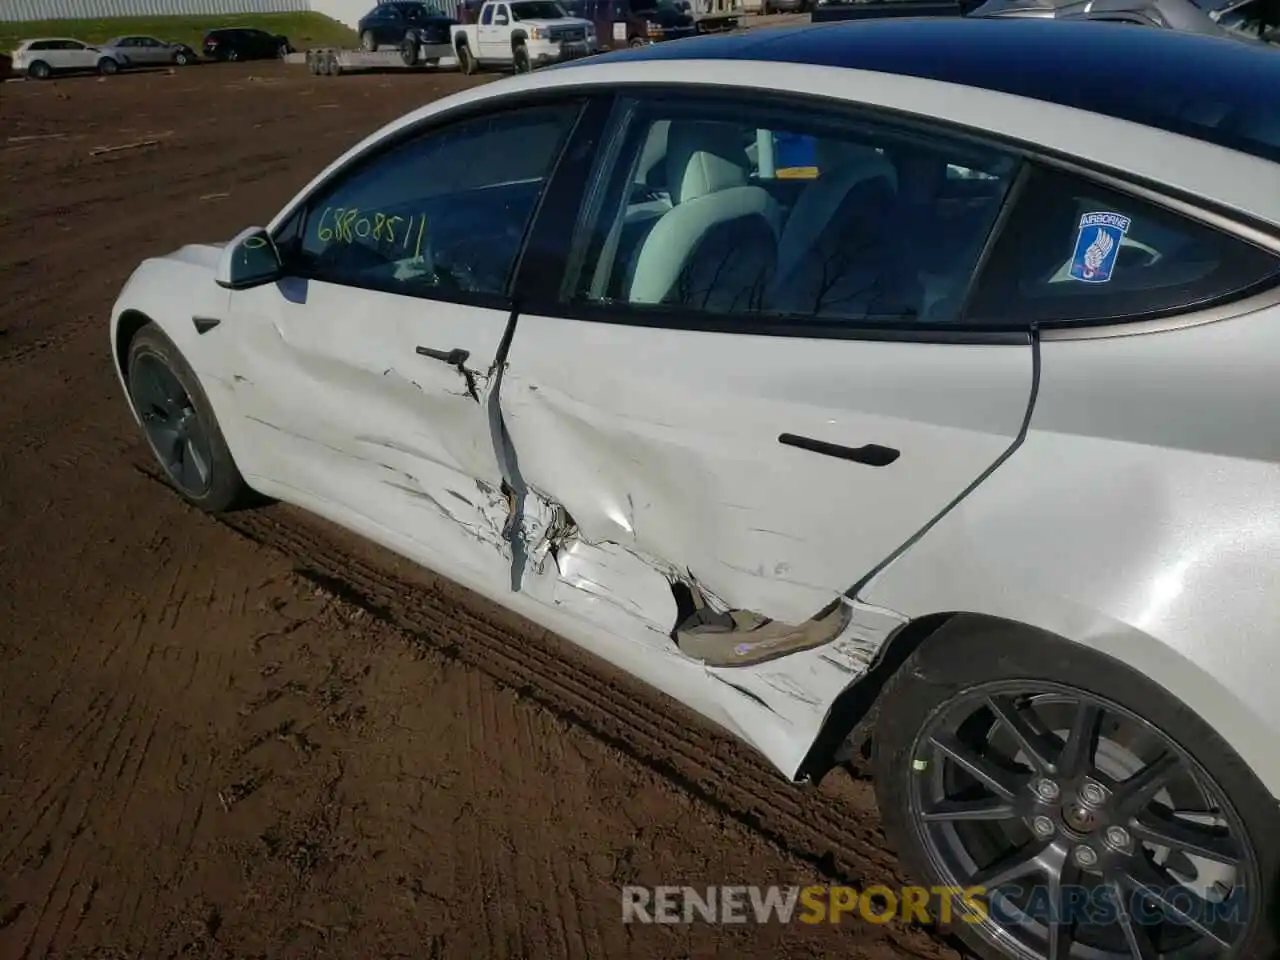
(1024, 428)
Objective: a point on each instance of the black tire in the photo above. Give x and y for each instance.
(224, 487)
(367, 43)
(466, 62)
(637, 42)
(108, 66)
(39, 70)
(409, 50)
(182, 58)
(520, 58)
(960, 661)
(233, 55)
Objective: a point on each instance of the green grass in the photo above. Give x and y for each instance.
(303, 29)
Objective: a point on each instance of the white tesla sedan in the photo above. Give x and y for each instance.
(923, 364)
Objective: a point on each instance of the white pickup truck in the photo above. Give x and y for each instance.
(521, 35)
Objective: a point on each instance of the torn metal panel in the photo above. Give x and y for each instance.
(667, 442)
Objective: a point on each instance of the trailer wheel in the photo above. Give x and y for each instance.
(335, 68)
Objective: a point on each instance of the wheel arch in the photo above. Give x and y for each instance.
(128, 324)
(849, 729)
(518, 37)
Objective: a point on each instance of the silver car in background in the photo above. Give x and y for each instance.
(146, 51)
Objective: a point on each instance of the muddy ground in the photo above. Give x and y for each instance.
(258, 737)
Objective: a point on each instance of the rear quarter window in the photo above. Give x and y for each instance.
(1075, 252)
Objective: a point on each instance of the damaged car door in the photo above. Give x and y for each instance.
(362, 373)
(751, 389)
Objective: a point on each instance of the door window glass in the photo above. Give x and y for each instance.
(788, 215)
(441, 215)
(1075, 251)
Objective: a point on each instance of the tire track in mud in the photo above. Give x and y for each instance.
(727, 776)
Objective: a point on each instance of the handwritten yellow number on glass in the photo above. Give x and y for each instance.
(324, 234)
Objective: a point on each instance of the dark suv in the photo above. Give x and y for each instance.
(393, 22)
(244, 43)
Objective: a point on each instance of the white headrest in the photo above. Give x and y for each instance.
(835, 155)
(704, 158)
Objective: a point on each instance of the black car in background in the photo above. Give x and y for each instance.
(244, 43)
(396, 21)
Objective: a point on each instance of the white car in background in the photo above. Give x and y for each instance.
(43, 57)
(911, 378)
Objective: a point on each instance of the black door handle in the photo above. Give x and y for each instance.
(872, 454)
(454, 357)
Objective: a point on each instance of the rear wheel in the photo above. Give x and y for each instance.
(1100, 818)
(233, 55)
(179, 423)
(108, 66)
(39, 70)
(466, 62)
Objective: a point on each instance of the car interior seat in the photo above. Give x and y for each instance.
(829, 250)
(718, 242)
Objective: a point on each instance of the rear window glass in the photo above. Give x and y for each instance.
(1073, 251)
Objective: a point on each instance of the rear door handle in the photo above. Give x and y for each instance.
(455, 357)
(872, 454)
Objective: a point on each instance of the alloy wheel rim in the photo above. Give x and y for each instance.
(172, 425)
(1063, 805)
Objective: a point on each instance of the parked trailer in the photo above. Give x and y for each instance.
(335, 61)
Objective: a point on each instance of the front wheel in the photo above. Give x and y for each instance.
(107, 67)
(520, 59)
(179, 423)
(409, 51)
(182, 58)
(367, 42)
(39, 70)
(1072, 808)
(233, 55)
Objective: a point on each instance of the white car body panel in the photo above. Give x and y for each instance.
(1162, 548)
(677, 455)
(1136, 589)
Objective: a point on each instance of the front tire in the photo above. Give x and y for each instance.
(108, 67)
(367, 43)
(180, 425)
(182, 58)
(1018, 762)
(520, 59)
(39, 70)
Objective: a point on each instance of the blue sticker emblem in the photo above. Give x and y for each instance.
(1098, 246)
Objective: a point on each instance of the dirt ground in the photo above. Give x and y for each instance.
(258, 737)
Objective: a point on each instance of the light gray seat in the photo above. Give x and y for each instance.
(841, 167)
(707, 175)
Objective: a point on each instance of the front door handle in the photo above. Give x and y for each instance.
(872, 454)
(455, 357)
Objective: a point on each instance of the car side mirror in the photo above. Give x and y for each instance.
(250, 260)
(500, 20)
